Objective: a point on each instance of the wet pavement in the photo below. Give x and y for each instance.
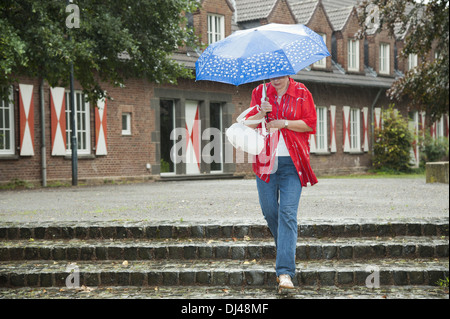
(224, 200)
(176, 225)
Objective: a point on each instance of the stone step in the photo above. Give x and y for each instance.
(397, 272)
(147, 230)
(219, 296)
(185, 249)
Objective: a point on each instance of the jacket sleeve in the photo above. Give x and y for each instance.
(256, 101)
(309, 115)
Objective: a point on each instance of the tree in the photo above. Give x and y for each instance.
(426, 26)
(114, 40)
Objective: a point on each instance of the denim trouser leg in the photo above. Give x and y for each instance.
(279, 201)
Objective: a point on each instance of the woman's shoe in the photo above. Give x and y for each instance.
(285, 282)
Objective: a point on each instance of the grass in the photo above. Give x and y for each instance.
(414, 173)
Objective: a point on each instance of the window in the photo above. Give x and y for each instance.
(216, 28)
(7, 125)
(82, 123)
(353, 55)
(384, 58)
(355, 132)
(321, 131)
(412, 61)
(322, 63)
(126, 123)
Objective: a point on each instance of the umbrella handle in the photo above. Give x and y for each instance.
(265, 98)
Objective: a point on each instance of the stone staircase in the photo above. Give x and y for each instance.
(342, 258)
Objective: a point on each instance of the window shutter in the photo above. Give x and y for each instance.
(365, 113)
(58, 121)
(346, 126)
(377, 118)
(100, 128)
(26, 114)
(312, 140)
(333, 128)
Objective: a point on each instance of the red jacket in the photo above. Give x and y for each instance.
(296, 104)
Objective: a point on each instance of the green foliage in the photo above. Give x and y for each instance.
(165, 166)
(432, 149)
(443, 283)
(392, 143)
(115, 40)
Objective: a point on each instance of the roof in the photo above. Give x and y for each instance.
(337, 4)
(338, 17)
(303, 10)
(248, 10)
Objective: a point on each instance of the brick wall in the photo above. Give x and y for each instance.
(374, 51)
(348, 33)
(320, 24)
(219, 7)
(281, 13)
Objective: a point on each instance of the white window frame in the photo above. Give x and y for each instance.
(82, 110)
(7, 105)
(355, 130)
(385, 49)
(353, 55)
(127, 129)
(322, 129)
(216, 28)
(322, 64)
(412, 61)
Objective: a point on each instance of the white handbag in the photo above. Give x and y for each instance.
(249, 140)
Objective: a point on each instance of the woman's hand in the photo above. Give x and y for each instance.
(266, 107)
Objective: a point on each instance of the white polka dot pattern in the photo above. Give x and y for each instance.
(261, 53)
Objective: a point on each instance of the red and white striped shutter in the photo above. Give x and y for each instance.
(58, 120)
(365, 113)
(100, 128)
(193, 143)
(346, 126)
(312, 141)
(333, 128)
(377, 118)
(422, 122)
(26, 111)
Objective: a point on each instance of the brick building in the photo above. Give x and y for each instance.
(129, 137)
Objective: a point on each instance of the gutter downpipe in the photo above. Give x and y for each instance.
(372, 107)
(43, 148)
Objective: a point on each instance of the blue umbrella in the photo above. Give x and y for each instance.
(261, 53)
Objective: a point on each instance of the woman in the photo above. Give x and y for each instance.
(283, 168)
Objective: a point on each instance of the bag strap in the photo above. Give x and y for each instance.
(241, 118)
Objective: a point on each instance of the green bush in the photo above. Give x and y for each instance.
(392, 143)
(432, 149)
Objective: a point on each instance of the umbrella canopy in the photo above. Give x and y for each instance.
(261, 53)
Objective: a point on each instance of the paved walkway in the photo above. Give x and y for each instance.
(224, 200)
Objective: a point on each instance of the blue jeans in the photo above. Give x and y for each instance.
(279, 200)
